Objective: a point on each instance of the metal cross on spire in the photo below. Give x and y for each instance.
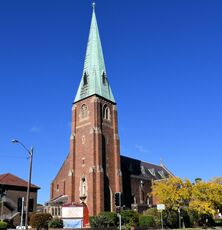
(93, 5)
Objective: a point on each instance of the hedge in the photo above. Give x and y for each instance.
(3, 225)
(40, 220)
(147, 221)
(55, 223)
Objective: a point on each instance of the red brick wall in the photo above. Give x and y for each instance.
(94, 155)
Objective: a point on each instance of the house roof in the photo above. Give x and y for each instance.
(10, 179)
(144, 170)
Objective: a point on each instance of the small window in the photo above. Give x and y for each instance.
(106, 112)
(85, 79)
(57, 187)
(104, 78)
(152, 171)
(84, 111)
(162, 174)
(83, 161)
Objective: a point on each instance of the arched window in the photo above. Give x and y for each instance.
(104, 78)
(84, 111)
(85, 79)
(106, 112)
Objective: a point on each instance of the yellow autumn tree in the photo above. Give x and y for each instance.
(201, 197)
(206, 197)
(173, 192)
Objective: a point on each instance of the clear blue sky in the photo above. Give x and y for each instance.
(164, 64)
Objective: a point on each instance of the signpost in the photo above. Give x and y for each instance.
(160, 208)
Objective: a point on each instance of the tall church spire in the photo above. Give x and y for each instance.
(94, 79)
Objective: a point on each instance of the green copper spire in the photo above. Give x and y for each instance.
(94, 79)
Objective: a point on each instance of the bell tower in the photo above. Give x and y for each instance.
(94, 143)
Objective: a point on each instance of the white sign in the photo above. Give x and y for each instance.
(161, 207)
(72, 212)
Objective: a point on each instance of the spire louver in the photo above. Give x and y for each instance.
(94, 80)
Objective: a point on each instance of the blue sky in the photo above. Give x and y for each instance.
(164, 64)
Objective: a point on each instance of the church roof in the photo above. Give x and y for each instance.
(10, 179)
(94, 78)
(143, 170)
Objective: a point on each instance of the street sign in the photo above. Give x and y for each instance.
(160, 207)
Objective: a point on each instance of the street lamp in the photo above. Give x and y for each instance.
(30, 152)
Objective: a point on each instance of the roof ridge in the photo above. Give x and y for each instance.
(4, 175)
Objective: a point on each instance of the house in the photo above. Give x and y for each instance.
(12, 189)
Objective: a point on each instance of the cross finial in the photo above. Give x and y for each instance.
(93, 5)
(161, 161)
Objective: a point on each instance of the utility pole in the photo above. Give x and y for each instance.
(22, 211)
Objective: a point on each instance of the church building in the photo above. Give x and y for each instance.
(94, 170)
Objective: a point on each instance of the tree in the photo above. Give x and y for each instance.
(202, 200)
(206, 197)
(174, 192)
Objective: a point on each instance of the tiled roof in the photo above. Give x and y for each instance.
(10, 179)
(144, 170)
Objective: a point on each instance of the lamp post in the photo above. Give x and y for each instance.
(30, 152)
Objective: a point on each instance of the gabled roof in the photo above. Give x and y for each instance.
(94, 78)
(10, 179)
(144, 170)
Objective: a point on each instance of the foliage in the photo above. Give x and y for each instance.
(40, 220)
(55, 223)
(170, 219)
(104, 219)
(130, 218)
(218, 222)
(155, 214)
(146, 221)
(173, 192)
(3, 225)
(217, 180)
(206, 198)
(197, 203)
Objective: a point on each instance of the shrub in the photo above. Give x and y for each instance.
(40, 220)
(3, 225)
(170, 219)
(97, 221)
(218, 222)
(104, 219)
(130, 218)
(146, 221)
(55, 223)
(111, 218)
(155, 214)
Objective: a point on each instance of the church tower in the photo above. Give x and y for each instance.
(92, 172)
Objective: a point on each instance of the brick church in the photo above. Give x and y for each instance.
(94, 170)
